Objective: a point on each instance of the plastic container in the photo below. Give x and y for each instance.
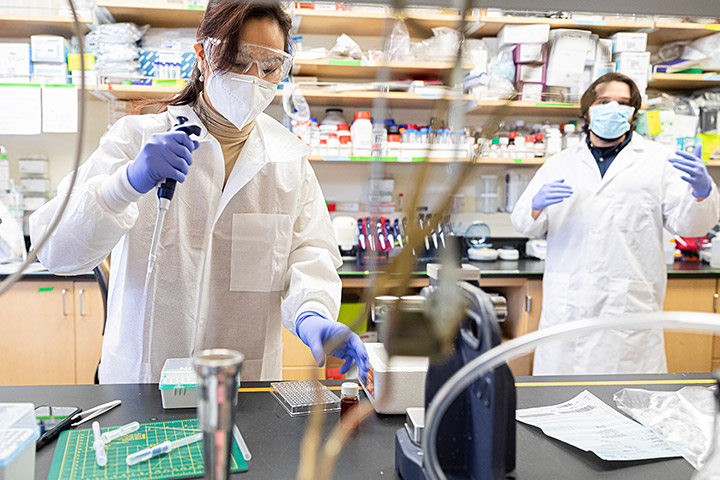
(401, 380)
(394, 147)
(345, 149)
(333, 145)
(18, 433)
(178, 383)
(571, 137)
(305, 396)
(333, 116)
(715, 252)
(349, 401)
(362, 134)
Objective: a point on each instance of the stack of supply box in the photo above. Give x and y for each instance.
(15, 65)
(76, 70)
(630, 57)
(49, 54)
(167, 54)
(530, 57)
(34, 183)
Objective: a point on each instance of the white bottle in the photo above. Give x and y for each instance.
(553, 141)
(362, 134)
(314, 137)
(333, 145)
(715, 252)
(571, 138)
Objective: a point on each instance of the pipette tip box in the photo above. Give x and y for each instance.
(178, 383)
(304, 397)
(18, 433)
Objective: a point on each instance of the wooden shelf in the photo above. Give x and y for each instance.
(359, 23)
(478, 161)
(666, 32)
(17, 26)
(684, 81)
(355, 70)
(366, 99)
(154, 13)
(518, 107)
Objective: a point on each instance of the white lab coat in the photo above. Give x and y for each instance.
(226, 259)
(605, 255)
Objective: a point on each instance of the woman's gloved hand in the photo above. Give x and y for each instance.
(165, 155)
(316, 331)
(696, 173)
(550, 194)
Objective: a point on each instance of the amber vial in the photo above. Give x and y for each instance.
(349, 401)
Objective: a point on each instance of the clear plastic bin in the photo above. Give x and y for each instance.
(18, 433)
(178, 384)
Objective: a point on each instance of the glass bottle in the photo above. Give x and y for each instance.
(349, 401)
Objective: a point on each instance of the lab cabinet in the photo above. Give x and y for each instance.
(51, 332)
(690, 352)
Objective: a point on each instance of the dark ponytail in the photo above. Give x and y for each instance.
(223, 20)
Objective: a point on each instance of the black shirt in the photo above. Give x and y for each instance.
(604, 156)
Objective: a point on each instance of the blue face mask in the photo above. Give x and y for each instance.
(610, 120)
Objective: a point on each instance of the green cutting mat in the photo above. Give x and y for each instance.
(74, 457)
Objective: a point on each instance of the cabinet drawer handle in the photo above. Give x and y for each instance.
(528, 303)
(80, 295)
(64, 291)
(715, 303)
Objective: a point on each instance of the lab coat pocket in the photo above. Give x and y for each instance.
(633, 215)
(260, 249)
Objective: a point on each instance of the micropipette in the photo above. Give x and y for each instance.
(165, 192)
(161, 449)
(99, 445)
(108, 437)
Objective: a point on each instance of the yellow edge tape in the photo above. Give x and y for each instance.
(701, 381)
(613, 382)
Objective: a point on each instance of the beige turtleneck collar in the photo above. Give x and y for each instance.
(230, 138)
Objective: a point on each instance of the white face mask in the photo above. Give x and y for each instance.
(237, 97)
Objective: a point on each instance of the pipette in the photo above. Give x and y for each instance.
(99, 445)
(108, 437)
(161, 449)
(165, 192)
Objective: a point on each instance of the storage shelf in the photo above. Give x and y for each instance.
(17, 26)
(366, 99)
(666, 32)
(354, 69)
(359, 23)
(156, 14)
(684, 81)
(407, 160)
(520, 107)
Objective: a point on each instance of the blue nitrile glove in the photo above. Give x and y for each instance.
(551, 193)
(696, 171)
(165, 155)
(315, 331)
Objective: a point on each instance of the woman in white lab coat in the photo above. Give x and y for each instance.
(247, 240)
(604, 232)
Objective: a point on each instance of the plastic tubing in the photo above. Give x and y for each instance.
(689, 321)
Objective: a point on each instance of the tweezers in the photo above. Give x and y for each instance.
(94, 412)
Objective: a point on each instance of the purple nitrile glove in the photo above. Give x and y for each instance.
(315, 331)
(165, 155)
(550, 194)
(695, 171)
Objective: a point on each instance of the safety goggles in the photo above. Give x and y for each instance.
(271, 64)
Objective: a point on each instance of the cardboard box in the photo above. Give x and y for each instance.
(529, 73)
(50, 73)
(35, 185)
(530, 53)
(49, 48)
(513, 34)
(15, 65)
(629, 42)
(33, 166)
(566, 61)
(531, 92)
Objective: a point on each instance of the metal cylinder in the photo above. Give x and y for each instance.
(217, 378)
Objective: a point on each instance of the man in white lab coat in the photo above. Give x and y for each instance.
(247, 239)
(603, 205)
